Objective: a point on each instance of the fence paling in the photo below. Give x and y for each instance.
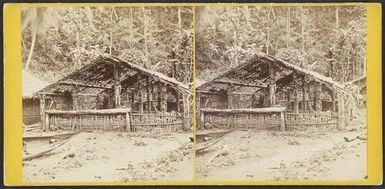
(294, 120)
(261, 118)
(111, 120)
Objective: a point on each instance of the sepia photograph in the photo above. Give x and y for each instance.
(107, 94)
(281, 93)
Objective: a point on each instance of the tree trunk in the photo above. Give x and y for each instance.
(34, 35)
(179, 18)
(288, 27)
(272, 85)
(337, 18)
(112, 9)
(145, 47)
(131, 28)
(268, 32)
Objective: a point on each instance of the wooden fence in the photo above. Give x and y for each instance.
(316, 119)
(111, 119)
(256, 118)
(165, 120)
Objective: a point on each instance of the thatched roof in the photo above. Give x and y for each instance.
(32, 84)
(255, 74)
(97, 77)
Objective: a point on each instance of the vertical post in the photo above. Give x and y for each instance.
(128, 122)
(75, 98)
(230, 97)
(317, 97)
(47, 122)
(272, 85)
(202, 120)
(177, 101)
(117, 87)
(197, 108)
(140, 95)
(341, 112)
(42, 111)
(148, 95)
(296, 106)
(186, 112)
(288, 100)
(282, 125)
(304, 94)
(163, 98)
(334, 101)
(229, 100)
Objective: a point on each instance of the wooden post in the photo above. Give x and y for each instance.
(163, 98)
(341, 112)
(177, 101)
(229, 100)
(117, 87)
(296, 105)
(197, 108)
(186, 112)
(128, 122)
(46, 122)
(304, 94)
(282, 125)
(288, 100)
(148, 95)
(140, 95)
(334, 101)
(75, 98)
(317, 97)
(202, 120)
(272, 85)
(230, 97)
(42, 111)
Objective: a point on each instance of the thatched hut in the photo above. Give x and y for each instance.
(31, 102)
(111, 93)
(265, 92)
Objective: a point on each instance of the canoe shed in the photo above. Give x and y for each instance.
(113, 94)
(31, 102)
(266, 92)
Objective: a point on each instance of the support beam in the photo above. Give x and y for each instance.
(148, 87)
(117, 87)
(288, 105)
(334, 106)
(341, 112)
(317, 97)
(296, 96)
(75, 98)
(230, 96)
(177, 101)
(304, 95)
(82, 85)
(197, 109)
(240, 84)
(186, 112)
(163, 97)
(272, 85)
(140, 94)
(42, 111)
(282, 124)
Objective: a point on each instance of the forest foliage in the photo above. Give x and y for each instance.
(328, 39)
(57, 41)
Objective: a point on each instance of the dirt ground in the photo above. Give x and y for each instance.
(115, 156)
(312, 154)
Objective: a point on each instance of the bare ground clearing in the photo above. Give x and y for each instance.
(115, 156)
(311, 154)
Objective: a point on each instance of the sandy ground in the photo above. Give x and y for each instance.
(115, 156)
(312, 154)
